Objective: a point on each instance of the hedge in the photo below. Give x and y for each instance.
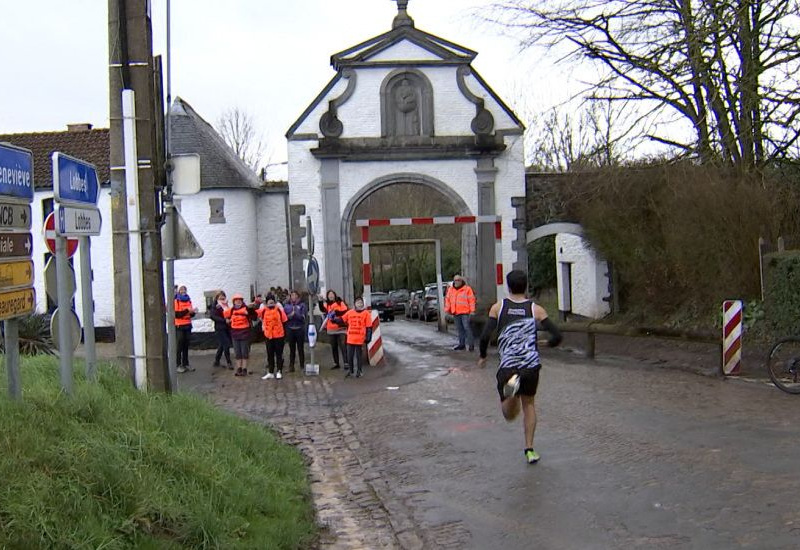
(782, 292)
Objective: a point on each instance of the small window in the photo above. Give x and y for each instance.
(217, 207)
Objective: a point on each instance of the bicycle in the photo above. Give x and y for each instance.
(783, 364)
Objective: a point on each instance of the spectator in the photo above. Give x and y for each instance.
(460, 303)
(221, 329)
(359, 332)
(272, 320)
(239, 318)
(297, 315)
(183, 327)
(333, 305)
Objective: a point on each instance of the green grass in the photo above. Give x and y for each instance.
(111, 467)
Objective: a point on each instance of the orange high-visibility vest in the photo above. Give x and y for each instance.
(357, 324)
(335, 306)
(183, 306)
(272, 321)
(460, 301)
(240, 317)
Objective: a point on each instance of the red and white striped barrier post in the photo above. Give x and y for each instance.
(731, 337)
(498, 258)
(375, 346)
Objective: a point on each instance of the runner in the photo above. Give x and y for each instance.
(515, 319)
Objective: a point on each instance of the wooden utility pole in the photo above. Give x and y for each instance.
(131, 66)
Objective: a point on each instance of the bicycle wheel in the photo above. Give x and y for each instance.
(783, 364)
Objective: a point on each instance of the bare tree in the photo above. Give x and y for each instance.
(238, 128)
(727, 69)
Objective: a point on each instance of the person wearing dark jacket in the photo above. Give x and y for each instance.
(332, 306)
(221, 330)
(297, 313)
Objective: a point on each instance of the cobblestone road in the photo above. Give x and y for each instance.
(416, 455)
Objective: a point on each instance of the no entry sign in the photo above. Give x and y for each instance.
(50, 237)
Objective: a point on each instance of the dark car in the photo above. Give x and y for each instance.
(430, 302)
(383, 305)
(400, 299)
(414, 305)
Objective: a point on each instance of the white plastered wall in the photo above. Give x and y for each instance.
(589, 284)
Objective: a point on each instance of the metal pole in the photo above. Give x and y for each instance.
(169, 276)
(64, 310)
(310, 320)
(87, 304)
(169, 221)
(137, 304)
(442, 320)
(11, 334)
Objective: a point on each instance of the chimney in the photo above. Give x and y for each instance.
(82, 127)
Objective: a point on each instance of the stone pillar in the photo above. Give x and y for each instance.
(299, 253)
(484, 285)
(331, 221)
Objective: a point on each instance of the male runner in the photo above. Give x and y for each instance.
(515, 319)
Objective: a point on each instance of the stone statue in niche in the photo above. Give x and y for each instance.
(407, 109)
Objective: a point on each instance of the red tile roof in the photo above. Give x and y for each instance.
(88, 145)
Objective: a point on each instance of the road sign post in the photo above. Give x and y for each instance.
(17, 296)
(76, 190)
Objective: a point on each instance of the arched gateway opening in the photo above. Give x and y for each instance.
(407, 195)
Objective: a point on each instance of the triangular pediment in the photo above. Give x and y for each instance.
(402, 45)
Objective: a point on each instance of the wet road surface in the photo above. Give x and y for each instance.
(632, 456)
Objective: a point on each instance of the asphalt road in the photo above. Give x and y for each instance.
(633, 456)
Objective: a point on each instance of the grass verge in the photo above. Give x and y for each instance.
(111, 467)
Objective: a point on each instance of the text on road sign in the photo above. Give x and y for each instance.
(16, 303)
(15, 274)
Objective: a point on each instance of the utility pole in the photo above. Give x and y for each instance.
(131, 66)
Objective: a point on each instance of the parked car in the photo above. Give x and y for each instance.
(414, 305)
(430, 302)
(383, 305)
(400, 299)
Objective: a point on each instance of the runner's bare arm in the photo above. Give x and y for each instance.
(544, 321)
(491, 325)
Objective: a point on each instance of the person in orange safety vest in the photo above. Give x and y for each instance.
(240, 317)
(332, 306)
(359, 332)
(460, 303)
(272, 321)
(184, 311)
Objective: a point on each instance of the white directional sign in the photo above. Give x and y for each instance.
(78, 222)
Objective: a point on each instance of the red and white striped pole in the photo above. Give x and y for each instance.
(375, 346)
(366, 269)
(731, 337)
(498, 258)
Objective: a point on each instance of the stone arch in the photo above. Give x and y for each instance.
(553, 229)
(406, 104)
(469, 238)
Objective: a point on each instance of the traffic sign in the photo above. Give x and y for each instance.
(51, 280)
(312, 276)
(50, 237)
(16, 172)
(17, 303)
(15, 216)
(16, 274)
(74, 326)
(16, 245)
(78, 222)
(74, 181)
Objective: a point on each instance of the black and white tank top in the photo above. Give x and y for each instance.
(517, 341)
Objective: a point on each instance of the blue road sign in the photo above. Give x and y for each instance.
(16, 172)
(312, 276)
(74, 181)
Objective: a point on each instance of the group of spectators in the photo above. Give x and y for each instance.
(282, 317)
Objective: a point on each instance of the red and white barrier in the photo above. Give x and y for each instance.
(731, 337)
(375, 346)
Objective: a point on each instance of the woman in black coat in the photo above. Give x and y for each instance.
(221, 330)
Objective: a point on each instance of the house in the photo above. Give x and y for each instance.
(238, 219)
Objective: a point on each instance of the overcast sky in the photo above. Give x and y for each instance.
(269, 57)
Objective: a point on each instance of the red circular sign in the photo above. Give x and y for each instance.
(50, 236)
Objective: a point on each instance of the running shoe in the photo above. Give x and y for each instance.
(190, 368)
(531, 456)
(268, 376)
(279, 375)
(181, 370)
(512, 386)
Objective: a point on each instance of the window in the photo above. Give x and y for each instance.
(217, 207)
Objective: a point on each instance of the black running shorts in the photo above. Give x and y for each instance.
(529, 380)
